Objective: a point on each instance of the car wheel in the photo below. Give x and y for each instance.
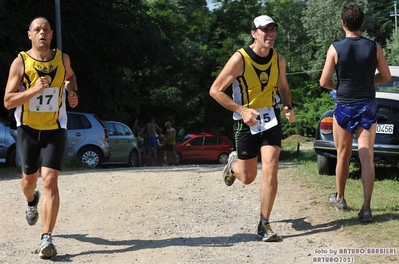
(178, 158)
(133, 159)
(90, 156)
(326, 166)
(223, 158)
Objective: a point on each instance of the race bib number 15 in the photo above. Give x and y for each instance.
(267, 119)
(46, 101)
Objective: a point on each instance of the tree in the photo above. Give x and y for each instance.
(324, 29)
(379, 20)
(230, 30)
(160, 57)
(291, 35)
(391, 50)
(112, 45)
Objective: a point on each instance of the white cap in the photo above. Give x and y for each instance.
(262, 22)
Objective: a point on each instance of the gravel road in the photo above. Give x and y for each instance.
(182, 214)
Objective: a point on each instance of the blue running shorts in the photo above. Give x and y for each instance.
(350, 116)
(152, 143)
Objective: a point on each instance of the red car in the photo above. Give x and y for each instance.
(204, 147)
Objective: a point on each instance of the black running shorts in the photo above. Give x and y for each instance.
(248, 145)
(45, 147)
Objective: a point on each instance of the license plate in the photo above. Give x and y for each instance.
(385, 128)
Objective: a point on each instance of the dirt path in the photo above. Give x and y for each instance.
(181, 214)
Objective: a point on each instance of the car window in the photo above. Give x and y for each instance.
(78, 122)
(84, 121)
(73, 122)
(180, 140)
(211, 141)
(196, 141)
(128, 132)
(228, 141)
(389, 87)
(119, 130)
(110, 128)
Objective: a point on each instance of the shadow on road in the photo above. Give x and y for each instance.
(306, 228)
(138, 244)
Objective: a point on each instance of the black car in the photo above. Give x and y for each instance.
(386, 146)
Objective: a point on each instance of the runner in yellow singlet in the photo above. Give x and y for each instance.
(171, 155)
(256, 73)
(40, 83)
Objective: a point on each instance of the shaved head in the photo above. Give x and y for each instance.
(43, 18)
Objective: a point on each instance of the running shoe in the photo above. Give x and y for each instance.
(32, 214)
(266, 232)
(365, 215)
(46, 248)
(228, 175)
(339, 204)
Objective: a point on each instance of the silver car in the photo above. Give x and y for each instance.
(123, 144)
(7, 144)
(87, 139)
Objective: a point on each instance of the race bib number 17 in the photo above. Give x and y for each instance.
(46, 101)
(267, 119)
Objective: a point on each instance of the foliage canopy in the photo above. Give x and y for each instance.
(159, 57)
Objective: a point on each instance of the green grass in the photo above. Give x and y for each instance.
(297, 150)
(384, 232)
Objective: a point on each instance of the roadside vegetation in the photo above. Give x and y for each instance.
(385, 202)
(159, 57)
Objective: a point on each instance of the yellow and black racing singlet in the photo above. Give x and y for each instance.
(45, 111)
(257, 86)
(169, 137)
